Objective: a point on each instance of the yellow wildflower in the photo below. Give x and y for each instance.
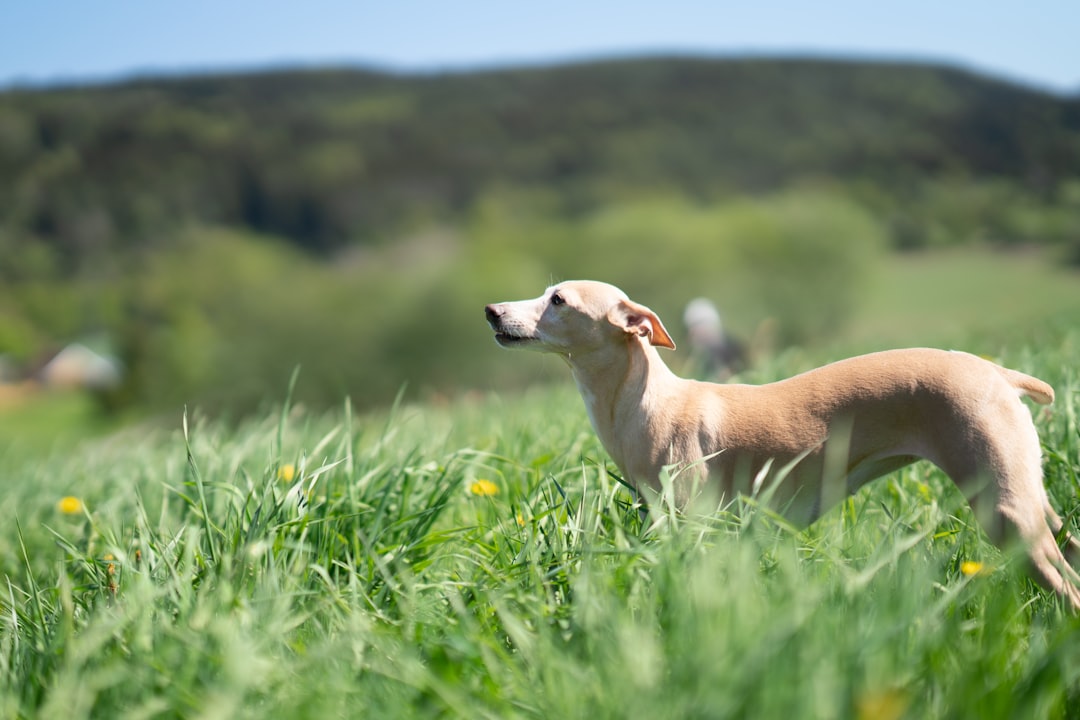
(286, 473)
(70, 505)
(484, 488)
(520, 520)
(888, 704)
(971, 567)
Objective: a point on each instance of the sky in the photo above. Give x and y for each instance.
(43, 42)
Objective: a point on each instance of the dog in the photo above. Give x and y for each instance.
(819, 435)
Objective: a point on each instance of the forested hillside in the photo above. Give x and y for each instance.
(168, 213)
(336, 158)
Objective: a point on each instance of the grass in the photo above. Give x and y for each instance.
(49, 421)
(479, 560)
(965, 297)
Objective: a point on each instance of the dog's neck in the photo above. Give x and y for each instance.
(621, 376)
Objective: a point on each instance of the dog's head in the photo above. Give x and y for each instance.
(575, 317)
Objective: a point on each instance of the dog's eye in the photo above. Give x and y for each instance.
(557, 299)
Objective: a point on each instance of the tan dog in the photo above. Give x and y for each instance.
(878, 412)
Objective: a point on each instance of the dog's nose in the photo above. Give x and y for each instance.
(493, 313)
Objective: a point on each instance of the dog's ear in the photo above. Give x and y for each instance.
(640, 320)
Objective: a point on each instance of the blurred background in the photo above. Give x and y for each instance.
(196, 200)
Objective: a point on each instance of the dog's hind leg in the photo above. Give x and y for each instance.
(1011, 464)
(1022, 506)
(1048, 564)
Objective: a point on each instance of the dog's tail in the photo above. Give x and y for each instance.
(1026, 385)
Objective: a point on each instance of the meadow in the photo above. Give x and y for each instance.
(480, 558)
(209, 540)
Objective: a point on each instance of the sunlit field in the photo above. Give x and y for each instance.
(966, 299)
(238, 520)
(481, 559)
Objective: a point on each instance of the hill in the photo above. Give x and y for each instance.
(329, 159)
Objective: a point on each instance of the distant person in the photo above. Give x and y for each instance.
(716, 354)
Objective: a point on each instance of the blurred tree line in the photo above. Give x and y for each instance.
(221, 230)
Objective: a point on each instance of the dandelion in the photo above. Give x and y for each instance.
(888, 704)
(70, 505)
(286, 473)
(520, 520)
(971, 567)
(484, 488)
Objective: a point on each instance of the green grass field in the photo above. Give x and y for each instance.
(477, 559)
(966, 299)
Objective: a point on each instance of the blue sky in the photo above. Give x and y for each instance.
(43, 41)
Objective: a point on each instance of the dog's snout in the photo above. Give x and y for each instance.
(493, 313)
